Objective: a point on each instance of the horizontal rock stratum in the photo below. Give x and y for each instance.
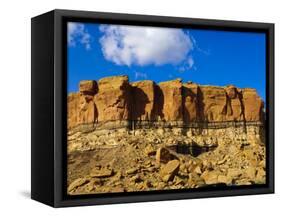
(116, 99)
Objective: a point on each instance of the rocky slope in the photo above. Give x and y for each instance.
(145, 136)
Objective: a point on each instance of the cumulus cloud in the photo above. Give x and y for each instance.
(131, 45)
(77, 34)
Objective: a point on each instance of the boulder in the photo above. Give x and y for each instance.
(210, 177)
(195, 180)
(261, 176)
(250, 172)
(233, 173)
(224, 179)
(77, 183)
(131, 171)
(88, 87)
(163, 155)
(197, 170)
(102, 173)
(169, 171)
(136, 178)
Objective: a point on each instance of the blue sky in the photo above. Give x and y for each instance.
(160, 54)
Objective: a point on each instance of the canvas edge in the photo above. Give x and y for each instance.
(59, 15)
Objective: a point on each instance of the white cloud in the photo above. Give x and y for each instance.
(140, 75)
(77, 33)
(187, 64)
(190, 62)
(196, 46)
(128, 45)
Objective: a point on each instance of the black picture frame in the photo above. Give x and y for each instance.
(49, 77)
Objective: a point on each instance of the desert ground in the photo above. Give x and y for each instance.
(143, 136)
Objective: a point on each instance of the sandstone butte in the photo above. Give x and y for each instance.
(115, 99)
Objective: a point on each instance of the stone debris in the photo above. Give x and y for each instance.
(224, 179)
(149, 150)
(170, 170)
(210, 177)
(163, 155)
(197, 170)
(131, 171)
(127, 137)
(77, 183)
(105, 172)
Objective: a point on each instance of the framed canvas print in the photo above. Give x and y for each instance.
(134, 108)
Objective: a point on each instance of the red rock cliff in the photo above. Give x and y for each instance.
(114, 98)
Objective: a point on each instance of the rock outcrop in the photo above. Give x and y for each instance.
(213, 103)
(172, 100)
(191, 107)
(143, 103)
(81, 109)
(88, 87)
(253, 105)
(115, 99)
(235, 106)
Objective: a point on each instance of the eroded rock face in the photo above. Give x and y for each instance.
(253, 105)
(72, 108)
(214, 105)
(235, 106)
(81, 109)
(172, 105)
(115, 99)
(191, 110)
(143, 100)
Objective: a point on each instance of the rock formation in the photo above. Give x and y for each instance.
(172, 100)
(253, 105)
(141, 136)
(191, 106)
(115, 99)
(81, 109)
(143, 103)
